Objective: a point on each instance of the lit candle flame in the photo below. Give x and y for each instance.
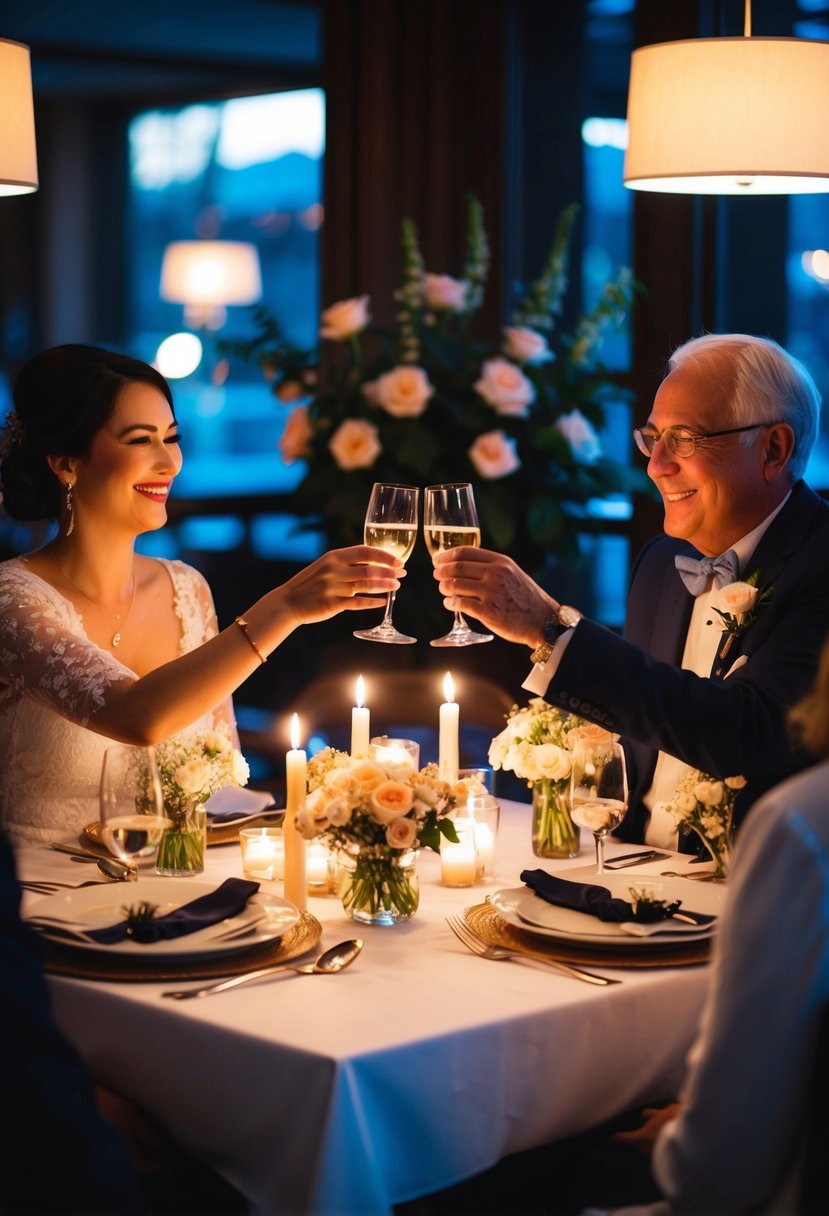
(295, 731)
(360, 696)
(448, 687)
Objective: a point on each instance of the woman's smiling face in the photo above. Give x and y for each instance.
(132, 461)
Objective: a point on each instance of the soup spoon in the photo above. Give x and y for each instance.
(335, 959)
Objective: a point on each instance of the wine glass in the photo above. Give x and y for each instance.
(390, 524)
(131, 803)
(598, 790)
(449, 521)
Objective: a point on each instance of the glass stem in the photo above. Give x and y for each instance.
(599, 854)
(389, 605)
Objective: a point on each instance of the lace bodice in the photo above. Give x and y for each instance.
(53, 681)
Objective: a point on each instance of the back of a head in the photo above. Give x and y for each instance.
(62, 398)
(767, 385)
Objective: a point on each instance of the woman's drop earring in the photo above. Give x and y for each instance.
(70, 511)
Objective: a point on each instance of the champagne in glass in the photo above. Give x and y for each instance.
(390, 524)
(598, 790)
(131, 803)
(450, 520)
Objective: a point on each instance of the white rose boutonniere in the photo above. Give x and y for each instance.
(739, 603)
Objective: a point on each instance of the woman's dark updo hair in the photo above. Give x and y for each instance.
(62, 398)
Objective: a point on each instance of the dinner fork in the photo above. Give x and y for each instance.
(49, 887)
(478, 946)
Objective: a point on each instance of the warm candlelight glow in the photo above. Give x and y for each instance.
(448, 741)
(360, 723)
(448, 687)
(296, 777)
(295, 731)
(360, 695)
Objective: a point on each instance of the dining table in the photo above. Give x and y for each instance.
(418, 1066)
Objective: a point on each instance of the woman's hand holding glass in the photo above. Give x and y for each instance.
(131, 803)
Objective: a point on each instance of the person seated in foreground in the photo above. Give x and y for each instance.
(99, 643)
(727, 440)
(735, 1143)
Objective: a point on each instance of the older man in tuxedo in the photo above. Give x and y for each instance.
(728, 438)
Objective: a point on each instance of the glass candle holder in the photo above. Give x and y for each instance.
(485, 813)
(459, 862)
(263, 853)
(400, 752)
(481, 774)
(320, 869)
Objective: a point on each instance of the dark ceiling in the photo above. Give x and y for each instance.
(164, 49)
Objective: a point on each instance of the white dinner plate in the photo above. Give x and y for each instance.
(269, 916)
(523, 909)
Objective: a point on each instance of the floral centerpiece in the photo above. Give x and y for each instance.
(191, 768)
(377, 816)
(519, 416)
(704, 804)
(537, 744)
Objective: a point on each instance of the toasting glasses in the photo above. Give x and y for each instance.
(450, 520)
(390, 524)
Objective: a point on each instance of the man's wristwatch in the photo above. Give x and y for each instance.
(555, 625)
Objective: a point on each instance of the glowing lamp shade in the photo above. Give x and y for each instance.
(18, 152)
(206, 276)
(729, 116)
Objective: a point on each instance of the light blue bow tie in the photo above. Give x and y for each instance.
(696, 571)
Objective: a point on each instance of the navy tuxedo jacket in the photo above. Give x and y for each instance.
(726, 725)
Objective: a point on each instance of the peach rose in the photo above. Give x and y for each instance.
(401, 833)
(737, 598)
(355, 444)
(589, 733)
(505, 387)
(390, 800)
(402, 392)
(444, 293)
(735, 783)
(289, 390)
(583, 440)
(367, 775)
(295, 442)
(493, 455)
(526, 346)
(345, 318)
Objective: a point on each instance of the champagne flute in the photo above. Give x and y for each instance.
(390, 524)
(598, 790)
(131, 803)
(449, 521)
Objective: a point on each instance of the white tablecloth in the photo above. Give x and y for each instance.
(417, 1067)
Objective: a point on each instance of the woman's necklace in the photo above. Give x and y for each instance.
(116, 636)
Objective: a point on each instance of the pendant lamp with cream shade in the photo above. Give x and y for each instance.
(729, 116)
(18, 153)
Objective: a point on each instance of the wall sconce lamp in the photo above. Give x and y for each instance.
(729, 116)
(206, 276)
(18, 152)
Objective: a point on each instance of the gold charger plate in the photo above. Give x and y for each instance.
(90, 837)
(98, 965)
(492, 927)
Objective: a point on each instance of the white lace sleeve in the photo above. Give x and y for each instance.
(43, 651)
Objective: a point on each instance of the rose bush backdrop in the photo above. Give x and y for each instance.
(518, 414)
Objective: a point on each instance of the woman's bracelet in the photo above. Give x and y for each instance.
(243, 625)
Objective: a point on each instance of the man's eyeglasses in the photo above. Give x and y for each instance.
(680, 441)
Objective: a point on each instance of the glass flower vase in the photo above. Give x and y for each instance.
(720, 848)
(553, 834)
(377, 888)
(181, 851)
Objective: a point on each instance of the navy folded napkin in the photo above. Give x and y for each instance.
(598, 901)
(227, 900)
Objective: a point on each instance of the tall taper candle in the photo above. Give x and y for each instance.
(448, 736)
(360, 732)
(296, 889)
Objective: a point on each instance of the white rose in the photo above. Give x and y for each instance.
(345, 318)
(215, 742)
(493, 455)
(339, 811)
(709, 793)
(526, 346)
(308, 825)
(401, 833)
(355, 444)
(505, 387)
(402, 392)
(684, 804)
(583, 440)
(553, 761)
(295, 442)
(445, 294)
(193, 777)
(737, 598)
(240, 771)
(712, 825)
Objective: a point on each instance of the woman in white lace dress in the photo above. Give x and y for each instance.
(98, 643)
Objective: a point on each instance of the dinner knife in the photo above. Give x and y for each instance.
(634, 859)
